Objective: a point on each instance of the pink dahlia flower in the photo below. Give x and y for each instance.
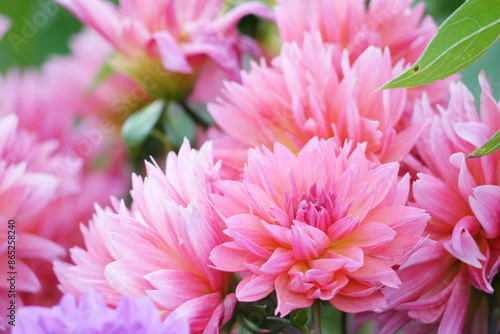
(304, 95)
(27, 185)
(160, 247)
(91, 315)
(179, 36)
(326, 224)
(462, 197)
(352, 25)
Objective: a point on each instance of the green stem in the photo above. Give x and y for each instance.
(316, 318)
(343, 322)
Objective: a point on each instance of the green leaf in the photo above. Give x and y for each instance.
(490, 147)
(138, 126)
(461, 40)
(177, 125)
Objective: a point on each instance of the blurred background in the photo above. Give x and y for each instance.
(41, 28)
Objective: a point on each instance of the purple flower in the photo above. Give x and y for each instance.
(90, 315)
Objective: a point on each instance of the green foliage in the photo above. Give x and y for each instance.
(177, 125)
(441, 9)
(138, 126)
(462, 39)
(490, 147)
(40, 28)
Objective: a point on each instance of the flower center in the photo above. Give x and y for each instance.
(316, 209)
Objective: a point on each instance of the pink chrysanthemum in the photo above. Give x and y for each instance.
(160, 247)
(352, 25)
(178, 35)
(462, 197)
(304, 95)
(326, 224)
(27, 185)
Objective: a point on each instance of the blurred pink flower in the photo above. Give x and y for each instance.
(4, 25)
(303, 95)
(63, 109)
(462, 197)
(55, 108)
(160, 247)
(27, 185)
(327, 224)
(179, 36)
(108, 95)
(91, 315)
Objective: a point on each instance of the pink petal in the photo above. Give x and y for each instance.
(287, 299)
(442, 202)
(175, 287)
(342, 228)
(374, 302)
(229, 257)
(486, 207)
(172, 56)
(370, 235)
(281, 260)
(462, 244)
(253, 287)
(403, 219)
(374, 270)
(33, 246)
(456, 310)
(490, 112)
(221, 315)
(26, 279)
(466, 181)
(474, 133)
(352, 256)
(308, 242)
(127, 277)
(403, 143)
(199, 310)
(283, 235)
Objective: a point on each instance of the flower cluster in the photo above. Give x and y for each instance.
(333, 232)
(304, 183)
(160, 247)
(167, 46)
(462, 255)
